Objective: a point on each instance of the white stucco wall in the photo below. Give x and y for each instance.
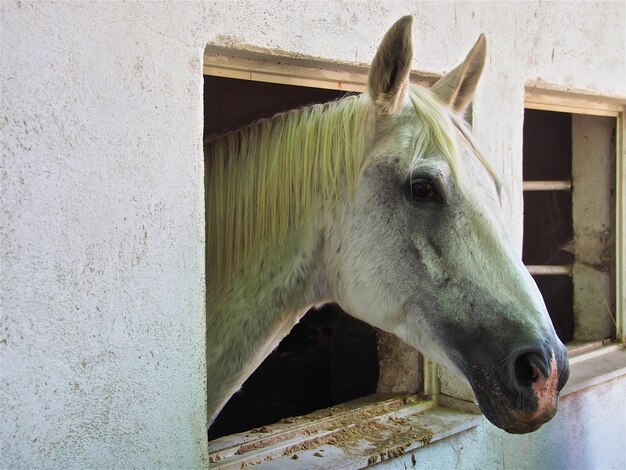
(101, 222)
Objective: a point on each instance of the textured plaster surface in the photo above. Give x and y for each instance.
(102, 239)
(101, 225)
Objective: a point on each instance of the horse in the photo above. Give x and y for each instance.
(381, 203)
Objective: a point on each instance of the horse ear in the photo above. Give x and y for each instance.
(388, 77)
(457, 88)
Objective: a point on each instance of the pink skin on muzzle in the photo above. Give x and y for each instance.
(546, 391)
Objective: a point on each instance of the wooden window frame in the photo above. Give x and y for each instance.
(263, 67)
(393, 410)
(547, 98)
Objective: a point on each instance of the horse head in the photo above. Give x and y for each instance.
(421, 249)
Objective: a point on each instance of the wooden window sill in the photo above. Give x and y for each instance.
(352, 435)
(379, 427)
(594, 364)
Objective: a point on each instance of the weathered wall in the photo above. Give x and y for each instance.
(102, 238)
(101, 192)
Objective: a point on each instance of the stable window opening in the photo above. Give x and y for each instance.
(569, 211)
(329, 357)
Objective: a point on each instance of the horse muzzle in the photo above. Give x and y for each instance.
(524, 394)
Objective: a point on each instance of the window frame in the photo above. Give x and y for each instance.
(547, 98)
(263, 67)
(266, 67)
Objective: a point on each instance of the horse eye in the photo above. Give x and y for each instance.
(423, 190)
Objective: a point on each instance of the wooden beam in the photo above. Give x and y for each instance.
(543, 270)
(565, 185)
(547, 98)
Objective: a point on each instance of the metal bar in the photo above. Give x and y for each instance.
(541, 270)
(564, 185)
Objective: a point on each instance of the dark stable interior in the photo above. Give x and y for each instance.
(329, 357)
(548, 232)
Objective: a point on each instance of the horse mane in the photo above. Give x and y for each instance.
(270, 176)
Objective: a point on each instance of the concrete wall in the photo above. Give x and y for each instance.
(101, 225)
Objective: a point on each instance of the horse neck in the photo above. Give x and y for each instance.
(252, 306)
(261, 308)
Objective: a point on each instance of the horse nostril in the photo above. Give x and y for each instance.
(528, 367)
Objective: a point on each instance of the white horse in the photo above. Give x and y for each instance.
(383, 204)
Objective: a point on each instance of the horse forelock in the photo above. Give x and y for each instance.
(436, 133)
(468, 143)
(443, 132)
